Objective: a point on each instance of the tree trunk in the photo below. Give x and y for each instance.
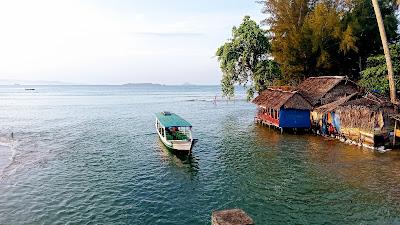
(386, 50)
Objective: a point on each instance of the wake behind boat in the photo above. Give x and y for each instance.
(174, 132)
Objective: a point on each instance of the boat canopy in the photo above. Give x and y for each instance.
(168, 119)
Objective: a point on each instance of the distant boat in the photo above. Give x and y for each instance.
(174, 132)
(29, 89)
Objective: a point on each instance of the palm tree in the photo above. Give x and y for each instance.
(385, 49)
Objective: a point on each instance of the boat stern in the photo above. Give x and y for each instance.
(182, 145)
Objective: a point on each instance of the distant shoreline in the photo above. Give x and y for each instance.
(123, 85)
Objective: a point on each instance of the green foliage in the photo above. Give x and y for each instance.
(323, 29)
(361, 19)
(289, 46)
(320, 37)
(374, 77)
(244, 59)
(266, 74)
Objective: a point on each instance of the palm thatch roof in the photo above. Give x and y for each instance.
(333, 105)
(315, 88)
(369, 101)
(395, 117)
(283, 88)
(277, 98)
(366, 113)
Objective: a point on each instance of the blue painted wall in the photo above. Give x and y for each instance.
(294, 118)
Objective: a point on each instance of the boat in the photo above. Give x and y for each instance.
(174, 132)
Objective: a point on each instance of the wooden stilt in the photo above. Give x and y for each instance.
(394, 133)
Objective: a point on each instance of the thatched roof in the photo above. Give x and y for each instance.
(333, 105)
(314, 88)
(369, 101)
(395, 117)
(276, 98)
(283, 88)
(366, 113)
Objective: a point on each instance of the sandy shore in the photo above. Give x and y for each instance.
(5, 157)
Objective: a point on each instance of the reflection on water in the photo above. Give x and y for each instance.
(183, 161)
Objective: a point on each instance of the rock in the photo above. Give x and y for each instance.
(231, 217)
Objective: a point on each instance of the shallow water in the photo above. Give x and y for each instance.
(90, 155)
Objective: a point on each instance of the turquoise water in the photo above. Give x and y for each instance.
(90, 155)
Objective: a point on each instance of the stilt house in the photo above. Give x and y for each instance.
(367, 120)
(326, 120)
(320, 91)
(283, 109)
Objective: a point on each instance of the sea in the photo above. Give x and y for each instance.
(90, 155)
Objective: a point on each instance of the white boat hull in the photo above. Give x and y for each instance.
(177, 145)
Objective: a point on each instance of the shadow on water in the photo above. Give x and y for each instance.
(179, 160)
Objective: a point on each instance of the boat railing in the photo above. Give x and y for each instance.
(178, 141)
(188, 134)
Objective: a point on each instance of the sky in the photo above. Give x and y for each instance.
(119, 41)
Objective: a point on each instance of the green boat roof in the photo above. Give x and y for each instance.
(168, 119)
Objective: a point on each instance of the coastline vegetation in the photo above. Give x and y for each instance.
(303, 38)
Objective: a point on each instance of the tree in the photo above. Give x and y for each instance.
(319, 37)
(308, 36)
(361, 18)
(386, 50)
(289, 48)
(329, 39)
(244, 59)
(374, 77)
(266, 73)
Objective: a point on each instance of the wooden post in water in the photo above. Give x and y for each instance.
(231, 217)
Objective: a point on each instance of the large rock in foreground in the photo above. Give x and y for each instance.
(231, 217)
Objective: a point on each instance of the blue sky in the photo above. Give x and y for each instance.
(114, 42)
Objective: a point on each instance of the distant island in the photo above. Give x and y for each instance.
(143, 85)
